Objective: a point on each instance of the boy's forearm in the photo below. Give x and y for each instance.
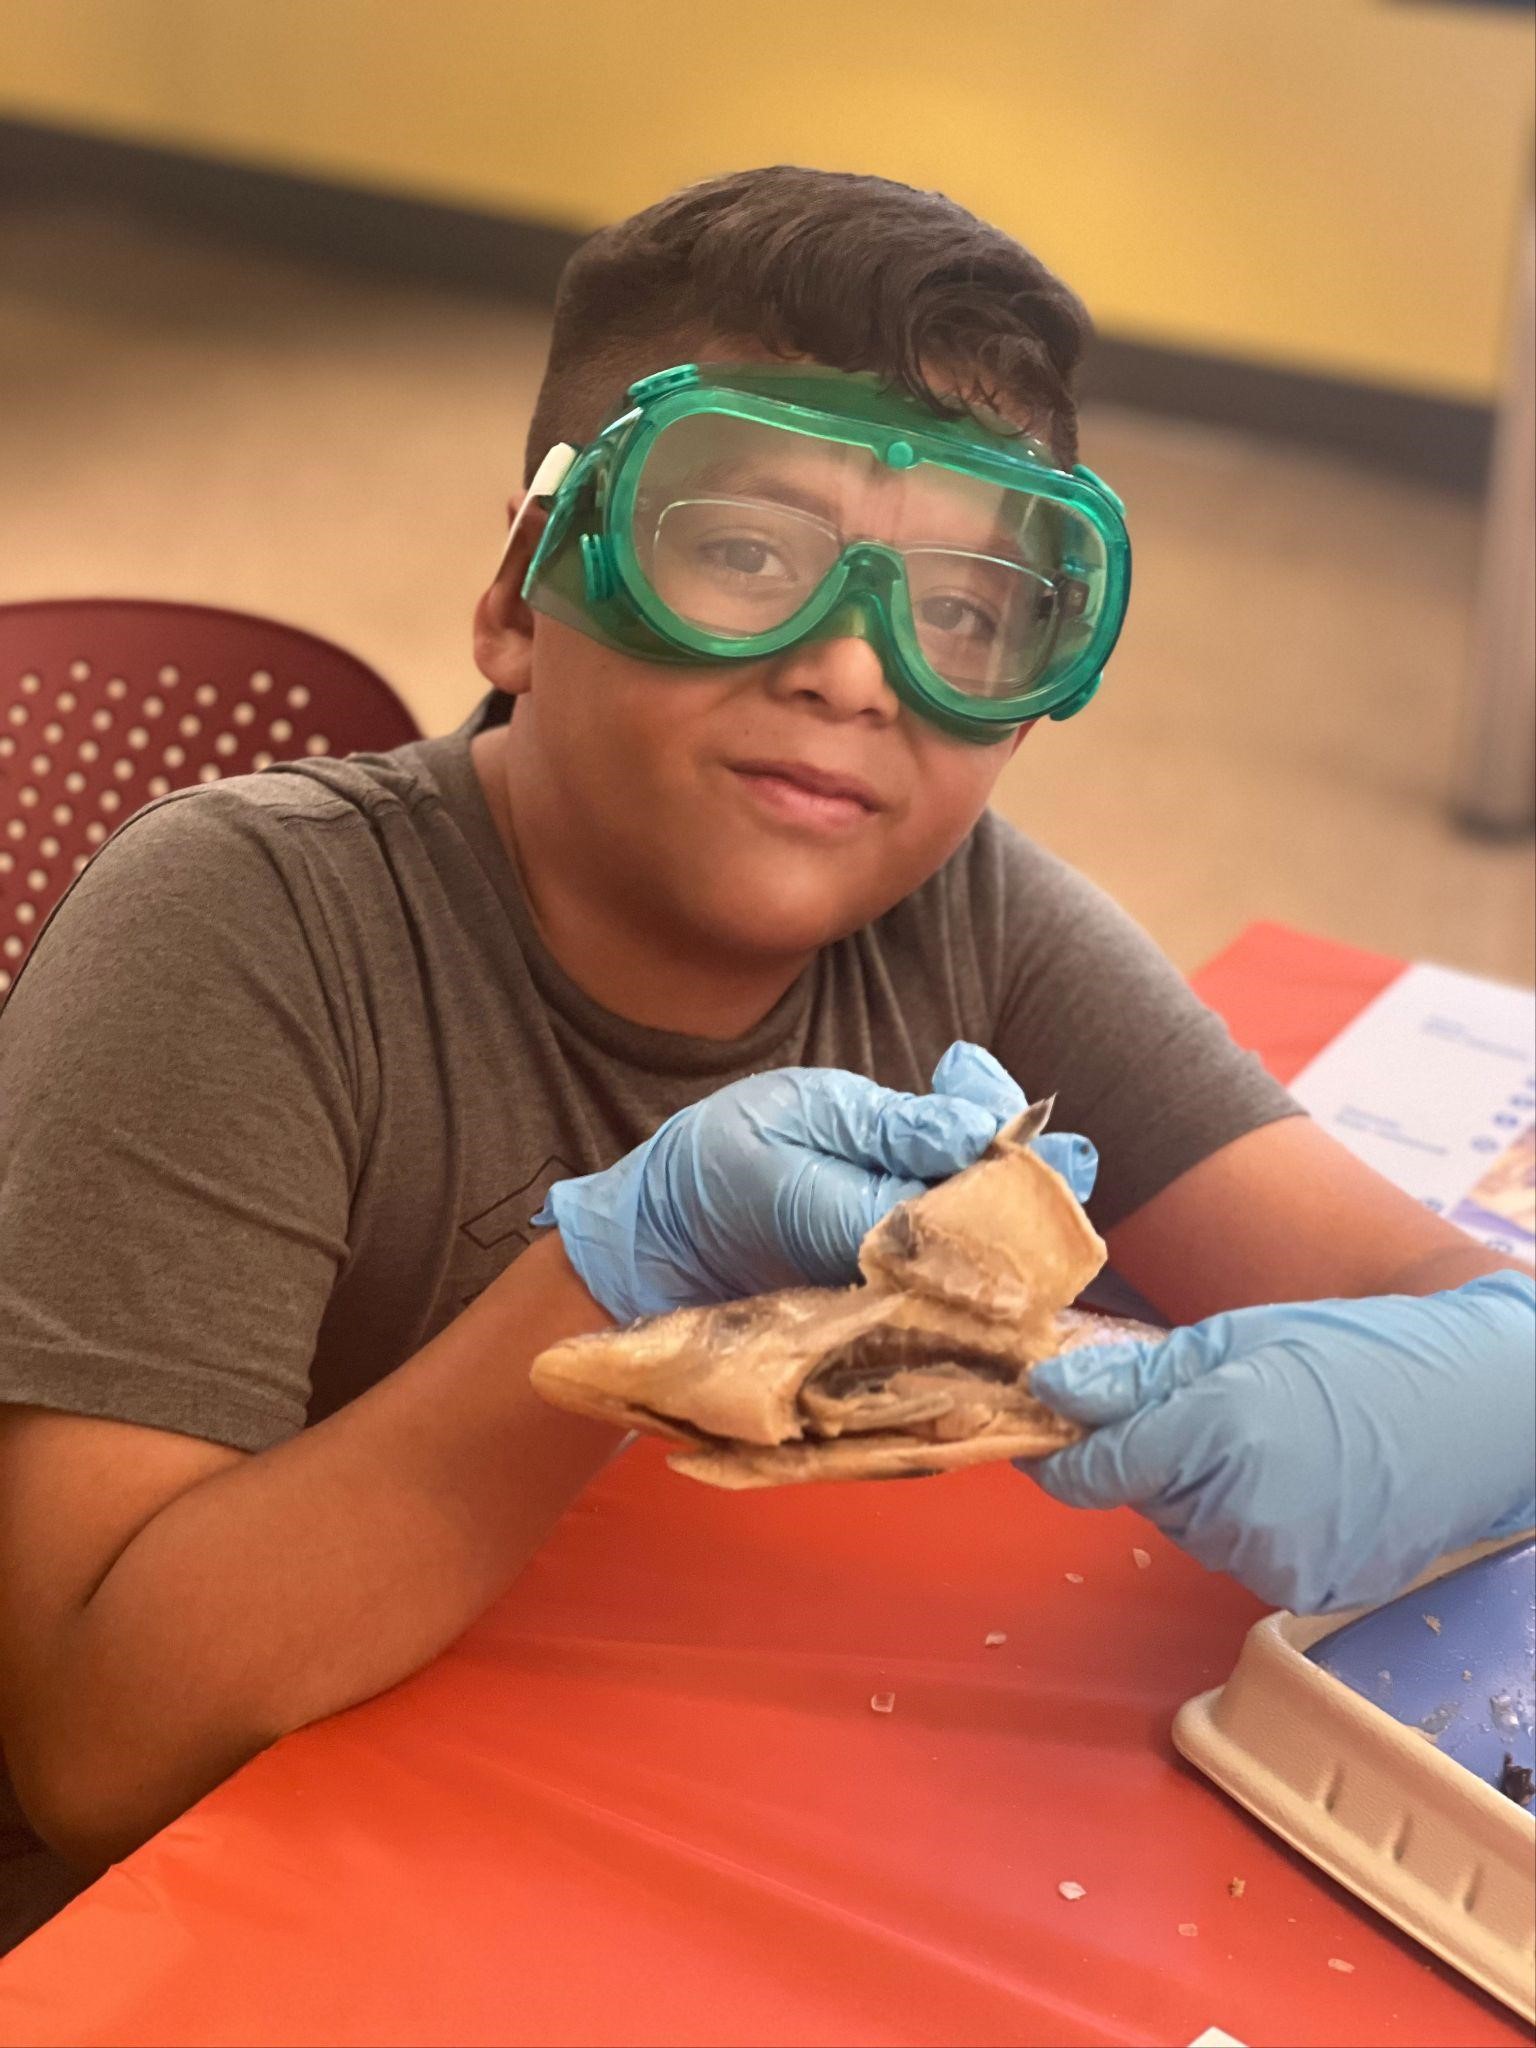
(311, 1576)
(1451, 1266)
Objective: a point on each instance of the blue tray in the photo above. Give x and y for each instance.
(1457, 1659)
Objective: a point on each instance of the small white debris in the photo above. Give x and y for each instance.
(994, 1639)
(1432, 1621)
(1215, 2037)
(1188, 1927)
(884, 1703)
(1073, 1578)
(1338, 1963)
(1237, 1886)
(1071, 1890)
(1141, 1558)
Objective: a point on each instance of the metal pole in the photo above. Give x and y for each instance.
(1495, 786)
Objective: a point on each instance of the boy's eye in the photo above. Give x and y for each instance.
(740, 555)
(958, 617)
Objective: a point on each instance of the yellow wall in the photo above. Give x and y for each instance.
(1331, 184)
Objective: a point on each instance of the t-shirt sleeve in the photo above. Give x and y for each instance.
(1089, 1008)
(178, 1139)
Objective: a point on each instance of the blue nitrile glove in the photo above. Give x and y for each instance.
(1322, 1452)
(774, 1181)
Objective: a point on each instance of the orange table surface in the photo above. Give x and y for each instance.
(645, 1799)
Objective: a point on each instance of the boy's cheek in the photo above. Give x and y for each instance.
(797, 895)
(953, 779)
(650, 746)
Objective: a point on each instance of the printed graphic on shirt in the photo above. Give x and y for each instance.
(503, 1231)
(509, 1217)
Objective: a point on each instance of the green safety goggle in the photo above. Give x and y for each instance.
(730, 512)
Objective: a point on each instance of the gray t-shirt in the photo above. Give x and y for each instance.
(290, 1069)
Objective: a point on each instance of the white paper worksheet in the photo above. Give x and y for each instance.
(1434, 1084)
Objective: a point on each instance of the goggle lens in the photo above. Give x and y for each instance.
(739, 524)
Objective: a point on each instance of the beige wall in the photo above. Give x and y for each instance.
(1328, 184)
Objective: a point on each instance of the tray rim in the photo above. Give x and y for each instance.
(1333, 1723)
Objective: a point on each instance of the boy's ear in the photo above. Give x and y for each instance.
(503, 633)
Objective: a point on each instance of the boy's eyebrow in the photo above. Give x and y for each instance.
(764, 483)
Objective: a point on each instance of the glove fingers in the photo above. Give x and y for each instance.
(922, 1137)
(1075, 1158)
(917, 1136)
(929, 1137)
(1097, 1384)
(825, 1212)
(971, 1072)
(1100, 1384)
(1103, 1471)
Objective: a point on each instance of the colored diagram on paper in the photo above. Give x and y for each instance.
(1502, 1205)
(1434, 1085)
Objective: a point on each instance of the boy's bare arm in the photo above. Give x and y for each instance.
(169, 1607)
(1287, 1214)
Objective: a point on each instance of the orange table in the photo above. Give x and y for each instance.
(645, 1799)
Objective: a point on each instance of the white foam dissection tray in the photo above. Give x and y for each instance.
(1416, 1835)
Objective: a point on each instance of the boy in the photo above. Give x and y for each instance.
(675, 949)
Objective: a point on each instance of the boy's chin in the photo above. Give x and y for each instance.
(779, 916)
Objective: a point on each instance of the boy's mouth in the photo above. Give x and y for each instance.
(801, 794)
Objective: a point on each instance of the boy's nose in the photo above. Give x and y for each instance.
(842, 677)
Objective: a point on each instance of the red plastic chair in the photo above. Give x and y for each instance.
(108, 702)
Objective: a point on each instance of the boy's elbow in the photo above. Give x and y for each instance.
(79, 1830)
(89, 1815)
(93, 1809)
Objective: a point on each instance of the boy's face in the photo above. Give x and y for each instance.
(766, 808)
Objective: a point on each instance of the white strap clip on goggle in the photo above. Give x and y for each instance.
(547, 479)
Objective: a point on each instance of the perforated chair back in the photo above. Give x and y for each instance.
(108, 702)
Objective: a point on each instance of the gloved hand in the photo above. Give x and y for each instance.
(774, 1181)
(1322, 1452)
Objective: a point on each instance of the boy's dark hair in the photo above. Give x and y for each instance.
(858, 272)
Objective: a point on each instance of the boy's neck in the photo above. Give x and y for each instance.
(635, 971)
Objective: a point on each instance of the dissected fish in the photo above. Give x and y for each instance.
(923, 1368)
